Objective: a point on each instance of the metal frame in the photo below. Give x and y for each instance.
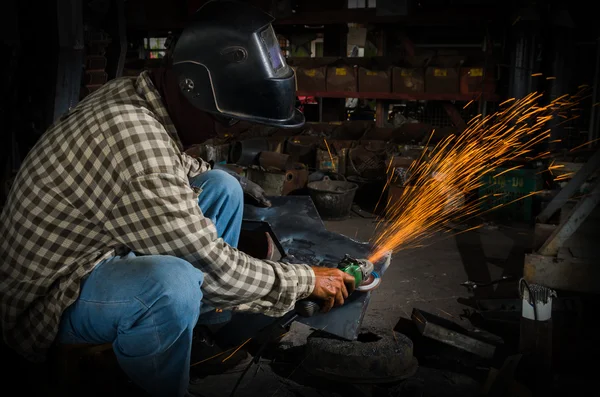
(572, 222)
(591, 166)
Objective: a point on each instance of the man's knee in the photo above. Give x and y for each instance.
(225, 185)
(178, 289)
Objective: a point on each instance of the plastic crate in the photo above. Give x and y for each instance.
(507, 189)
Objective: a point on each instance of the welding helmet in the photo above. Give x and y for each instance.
(228, 62)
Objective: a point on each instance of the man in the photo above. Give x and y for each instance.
(112, 234)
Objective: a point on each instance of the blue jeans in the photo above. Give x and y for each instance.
(147, 306)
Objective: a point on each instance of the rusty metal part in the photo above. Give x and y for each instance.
(246, 152)
(274, 161)
(301, 151)
(279, 183)
(210, 151)
(445, 331)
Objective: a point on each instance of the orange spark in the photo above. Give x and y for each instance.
(438, 184)
(587, 143)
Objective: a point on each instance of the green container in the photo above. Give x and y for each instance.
(507, 189)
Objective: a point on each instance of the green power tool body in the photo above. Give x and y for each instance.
(365, 280)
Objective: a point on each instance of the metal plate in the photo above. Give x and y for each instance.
(301, 234)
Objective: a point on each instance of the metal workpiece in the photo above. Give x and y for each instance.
(274, 161)
(279, 183)
(301, 234)
(449, 333)
(246, 152)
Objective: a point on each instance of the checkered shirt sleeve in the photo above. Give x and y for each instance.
(111, 173)
(159, 214)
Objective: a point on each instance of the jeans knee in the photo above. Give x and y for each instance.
(179, 293)
(225, 185)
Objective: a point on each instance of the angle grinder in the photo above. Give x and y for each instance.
(366, 279)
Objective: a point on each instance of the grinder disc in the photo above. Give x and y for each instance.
(370, 283)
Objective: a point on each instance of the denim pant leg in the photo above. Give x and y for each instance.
(222, 201)
(147, 307)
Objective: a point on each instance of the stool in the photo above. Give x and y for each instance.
(87, 369)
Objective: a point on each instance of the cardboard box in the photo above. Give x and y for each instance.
(374, 75)
(408, 80)
(440, 80)
(342, 77)
(311, 73)
(475, 80)
(442, 75)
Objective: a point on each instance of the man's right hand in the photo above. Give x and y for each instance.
(332, 286)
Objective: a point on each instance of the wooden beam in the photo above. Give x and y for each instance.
(568, 274)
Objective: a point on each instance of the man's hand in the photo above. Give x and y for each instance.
(332, 286)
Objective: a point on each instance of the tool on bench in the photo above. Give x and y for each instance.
(366, 279)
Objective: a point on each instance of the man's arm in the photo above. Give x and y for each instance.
(158, 214)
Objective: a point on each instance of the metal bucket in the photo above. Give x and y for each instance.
(333, 199)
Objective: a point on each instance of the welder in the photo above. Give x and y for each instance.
(112, 234)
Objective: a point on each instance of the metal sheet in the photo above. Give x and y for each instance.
(296, 224)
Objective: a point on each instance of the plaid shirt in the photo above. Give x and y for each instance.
(109, 174)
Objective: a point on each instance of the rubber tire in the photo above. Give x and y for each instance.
(388, 359)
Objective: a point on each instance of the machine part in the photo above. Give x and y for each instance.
(300, 152)
(333, 199)
(273, 161)
(277, 183)
(297, 226)
(588, 169)
(228, 46)
(360, 269)
(442, 330)
(307, 308)
(572, 222)
(370, 283)
(246, 152)
(377, 356)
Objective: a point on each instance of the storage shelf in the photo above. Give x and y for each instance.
(401, 96)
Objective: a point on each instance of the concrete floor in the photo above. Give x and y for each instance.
(429, 278)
